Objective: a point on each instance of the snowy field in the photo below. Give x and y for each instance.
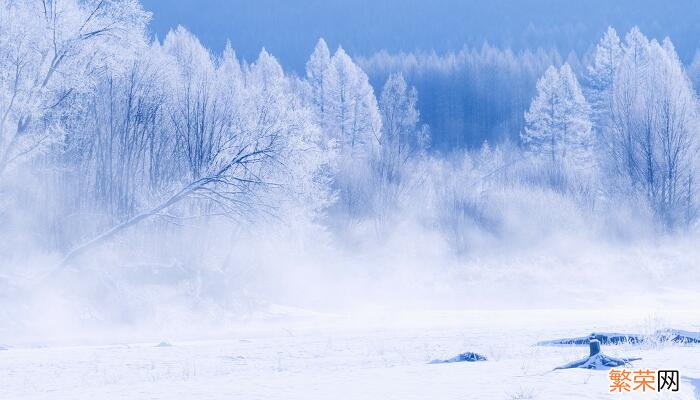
(383, 355)
(187, 215)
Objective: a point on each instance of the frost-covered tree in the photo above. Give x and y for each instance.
(655, 121)
(236, 140)
(578, 140)
(52, 53)
(543, 118)
(347, 112)
(601, 76)
(402, 137)
(199, 118)
(297, 175)
(128, 133)
(322, 78)
(344, 101)
(558, 127)
(355, 114)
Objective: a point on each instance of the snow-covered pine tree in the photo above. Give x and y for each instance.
(347, 112)
(322, 79)
(558, 128)
(344, 101)
(578, 140)
(600, 77)
(542, 120)
(356, 115)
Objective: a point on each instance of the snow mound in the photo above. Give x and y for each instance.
(598, 361)
(464, 357)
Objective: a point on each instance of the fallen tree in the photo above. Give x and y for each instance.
(662, 335)
(224, 188)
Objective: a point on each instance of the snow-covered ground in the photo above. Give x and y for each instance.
(380, 355)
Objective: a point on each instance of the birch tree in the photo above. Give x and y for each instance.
(239, 135)
(402, 137)
(52, 52)
(654, 141)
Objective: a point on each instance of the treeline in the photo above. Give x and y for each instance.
(619, 125)
(473, 95)
(104, 129)
(636, 133)
(209, 175)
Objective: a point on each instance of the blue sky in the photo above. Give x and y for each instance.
(289, 29)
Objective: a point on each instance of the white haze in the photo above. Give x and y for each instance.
(342, 215)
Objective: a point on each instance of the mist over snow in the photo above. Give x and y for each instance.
(382, 198)
(150, 182)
